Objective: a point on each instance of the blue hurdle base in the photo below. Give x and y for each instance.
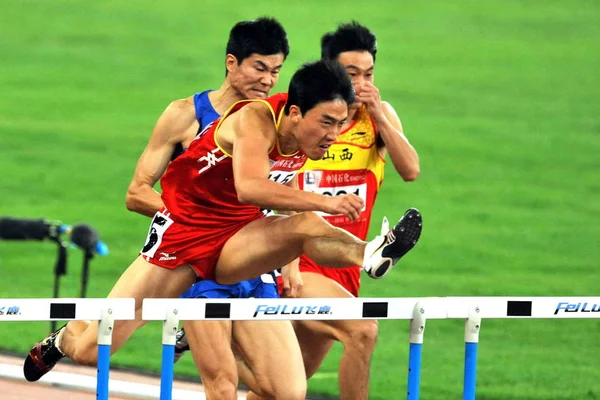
(414, 371)
(470, 371)
(166, 374)
(103, 372)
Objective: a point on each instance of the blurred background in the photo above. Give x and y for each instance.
(500, 99)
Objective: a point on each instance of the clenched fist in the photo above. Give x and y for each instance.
(349, 205)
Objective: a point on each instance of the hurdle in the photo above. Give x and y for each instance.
(106, 311)
(470, 309)
(171, 311)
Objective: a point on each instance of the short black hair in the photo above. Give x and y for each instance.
(317, 82)
(264, 36)
(350, 36)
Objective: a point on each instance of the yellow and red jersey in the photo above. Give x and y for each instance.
(352, 165)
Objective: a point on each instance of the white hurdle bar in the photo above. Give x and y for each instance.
(418, 310)
(106, 311)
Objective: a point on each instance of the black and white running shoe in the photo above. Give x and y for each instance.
(42, 357)
(181, 344)
(384, 251)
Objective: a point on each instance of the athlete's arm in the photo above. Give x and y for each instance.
(292, 279)
(403, 155)
(253, 136)
(170, 129)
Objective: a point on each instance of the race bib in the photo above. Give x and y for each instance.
(159, 225)
(336, 183)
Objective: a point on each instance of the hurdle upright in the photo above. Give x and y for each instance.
(106, 311)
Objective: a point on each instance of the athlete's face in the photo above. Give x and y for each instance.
(360, 67)
(255, 76)
(318, 128)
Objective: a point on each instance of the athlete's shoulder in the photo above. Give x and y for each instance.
(387, 105)
(181, 108)
(261, 107)
(390, 113)
(269, 107)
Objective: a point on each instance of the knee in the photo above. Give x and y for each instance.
(221, 386)
(309, 221)
(286, 390)
(362, 337)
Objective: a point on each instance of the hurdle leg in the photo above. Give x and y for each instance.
(105, 329)
(170, 326)
(472, 326)
(417, 328)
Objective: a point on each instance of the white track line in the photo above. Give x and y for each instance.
(88, 383)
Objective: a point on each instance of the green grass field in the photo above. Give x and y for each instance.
(499, 98)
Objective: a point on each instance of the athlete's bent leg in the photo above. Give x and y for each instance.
(271, 352)
(358, 337)
(210, 344)
(141, 280)
(314, 346)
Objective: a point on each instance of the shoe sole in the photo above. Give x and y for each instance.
(406, 235)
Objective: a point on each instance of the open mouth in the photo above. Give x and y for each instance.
(259, 93)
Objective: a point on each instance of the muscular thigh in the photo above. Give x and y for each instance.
(266, 243)
(271, 351)
(145, 280)
(139, 281)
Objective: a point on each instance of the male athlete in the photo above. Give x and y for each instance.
(353, 164)
(255, 54)
(212, 224)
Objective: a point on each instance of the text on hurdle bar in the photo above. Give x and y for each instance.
(371, 308)
(290, 309)
(65, 309)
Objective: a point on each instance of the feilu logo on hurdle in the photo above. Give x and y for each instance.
(279, 309)
(577, 307)
(11, 310)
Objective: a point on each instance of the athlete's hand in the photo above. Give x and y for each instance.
(349, 205)
(292, 281)
(370, 97)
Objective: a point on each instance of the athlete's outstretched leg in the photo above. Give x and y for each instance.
(277, 240)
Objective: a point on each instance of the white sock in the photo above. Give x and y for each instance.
(58, 339)
(370, 249)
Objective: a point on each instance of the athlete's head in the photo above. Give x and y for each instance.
(255, 53)
(318, 99)
(355, 47)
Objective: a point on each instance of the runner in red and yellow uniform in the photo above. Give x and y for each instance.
(353, 164)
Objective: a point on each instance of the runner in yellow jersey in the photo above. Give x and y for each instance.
(353, 164)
